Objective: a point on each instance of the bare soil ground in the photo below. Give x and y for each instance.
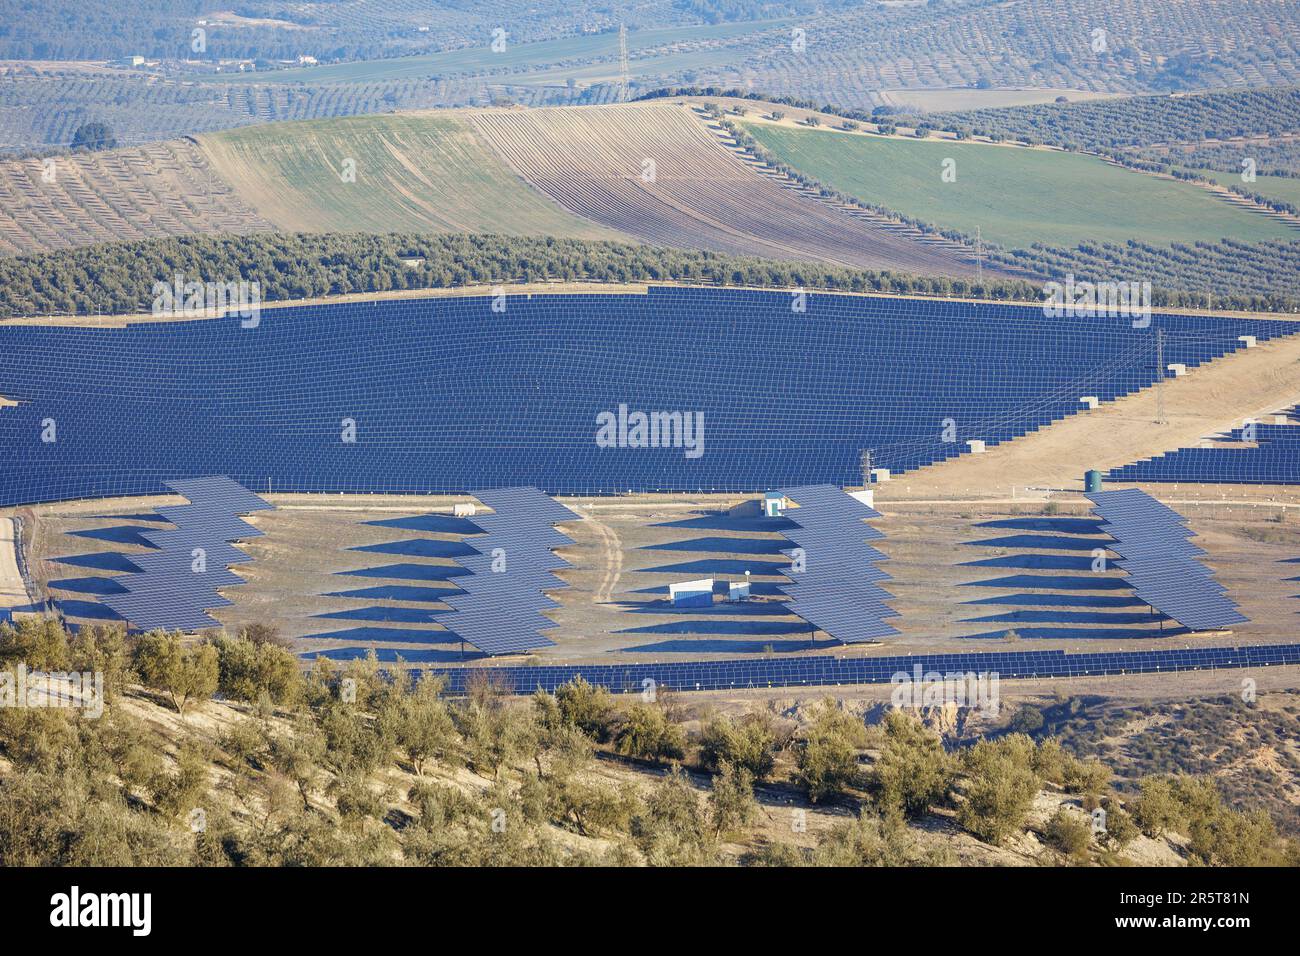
(13, 593)
(965, 576)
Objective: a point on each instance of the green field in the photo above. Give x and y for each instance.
(519, 56)
(1015, 196)
(413, 173)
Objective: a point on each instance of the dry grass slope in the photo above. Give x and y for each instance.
(413, 173)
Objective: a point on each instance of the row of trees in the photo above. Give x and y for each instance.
(1262, 277)
(1091, 125)
(118, 278)
(1271, 158)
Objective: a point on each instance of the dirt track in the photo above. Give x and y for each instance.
(12, 591)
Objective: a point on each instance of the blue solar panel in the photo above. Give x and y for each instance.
(1160, 563)
(828, 671)
(219, 493)
(499, 613)
(835, 592)
(451, 398)
(1268, 454)
(173, 590)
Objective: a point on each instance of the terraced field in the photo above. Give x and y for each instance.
(1016, 196)
(159, 189)
(413, 173)
(655, 172)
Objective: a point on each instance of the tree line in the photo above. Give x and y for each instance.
(1090, 125)
(119, 278)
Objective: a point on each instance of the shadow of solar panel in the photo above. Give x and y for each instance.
(399, 615)
(98, 561)
(435, 524)
(409, 571)
(419, 548)
(397, 592)
(389, 655)
(388, 635)
(721, 545)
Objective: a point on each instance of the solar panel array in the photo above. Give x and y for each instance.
(454, 396)
(827, 671)
(836, 590)
(171, 591)
(1263, 454)
(1163, 566)
(499, 609)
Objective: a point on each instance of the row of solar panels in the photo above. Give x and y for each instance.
(261, 405)
(1259, 454)
(826, 671)
(499, 607)
(833, 570)
(495, 591)
(1159, 560)
(176, 584)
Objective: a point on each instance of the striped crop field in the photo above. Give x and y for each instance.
(657, 173)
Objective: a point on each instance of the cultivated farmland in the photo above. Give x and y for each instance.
(655, 172)
(1016, 196)
(412, 173)
(159, 189)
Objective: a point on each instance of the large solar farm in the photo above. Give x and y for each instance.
(451, 434)
(714, 489)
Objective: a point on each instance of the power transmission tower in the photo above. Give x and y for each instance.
(865, 461)
(979, 256)
(622, 63)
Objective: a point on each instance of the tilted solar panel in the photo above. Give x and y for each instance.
(176, 584)
(506, 571)
(835, 588)
(1162, 565)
